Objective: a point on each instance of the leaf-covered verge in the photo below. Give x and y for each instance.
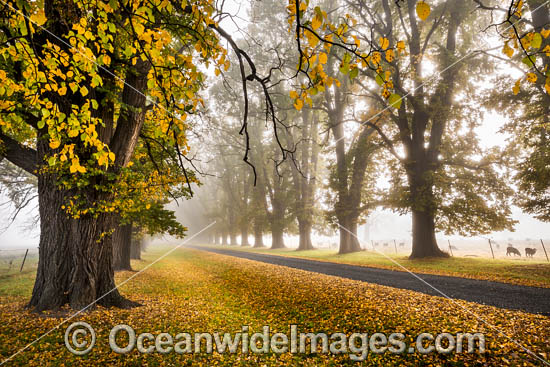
(193, 291)
(523, 272)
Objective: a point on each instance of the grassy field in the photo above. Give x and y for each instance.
(517, 271)
(194, 291)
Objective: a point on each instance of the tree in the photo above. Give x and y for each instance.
(75, 83)
(525, 30)
(424, 114)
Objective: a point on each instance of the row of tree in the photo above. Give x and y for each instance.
(103, 103)
(349, 138)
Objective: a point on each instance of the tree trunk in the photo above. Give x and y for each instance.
(224, 238)
(73, 266)
(122, 247)
(348, 235)
(305, 235)
(258, 234)
(135, 251)
(244, 234)
(277, 240)
(232, 238)
(424, 243)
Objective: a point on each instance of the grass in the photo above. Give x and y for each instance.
(195, 291)
(531, 272)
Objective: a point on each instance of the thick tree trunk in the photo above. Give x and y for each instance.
(73, 266)
(135, 251)
(424, 243)
(258, 235)
(244, 235)
(122, 247)
(348, 235)
(277, 240)
(232, 238)
(224, 238)
(305, 236)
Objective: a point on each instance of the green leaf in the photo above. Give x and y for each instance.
(353, 73)
(395, 100)
(41, 124)
(51, 161)
(344, 69)
(537, 41)
(379, 79)
(528, 60)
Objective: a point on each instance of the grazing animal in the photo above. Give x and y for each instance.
(529, 252)
(402, 244)
(512, 250)
(385, 244)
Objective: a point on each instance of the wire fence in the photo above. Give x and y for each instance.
(17, 260)
(526, 249)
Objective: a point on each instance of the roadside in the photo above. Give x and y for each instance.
(498, 294)
(521, 272)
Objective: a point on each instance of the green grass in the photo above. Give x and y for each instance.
(196, 291)
(531, 272)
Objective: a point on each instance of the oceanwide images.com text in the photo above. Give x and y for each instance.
(80, 339)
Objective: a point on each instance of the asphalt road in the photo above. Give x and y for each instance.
(503, 295)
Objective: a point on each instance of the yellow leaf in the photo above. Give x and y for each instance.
(62, 91)
(39, 18)
(293, 94)
(422, 10)
(545, 33)
(507, 50)
(400, 46)
(147, 206)
(81, 169)
(112, 156)
(532, 77)
(83, 91)
(322, 58)
(384, 43)
(298, 104)
(54, 144)
(316, 22)
(547, 85)
(516, 87)
(389, 55)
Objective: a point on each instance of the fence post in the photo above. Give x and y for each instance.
(491, 246)
(395, 244)
(450, 249)
(23, 263)
(372, 241)
(544, 248)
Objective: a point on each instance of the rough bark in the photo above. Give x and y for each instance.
(73, 266)
(122, 247)
(135, 251)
